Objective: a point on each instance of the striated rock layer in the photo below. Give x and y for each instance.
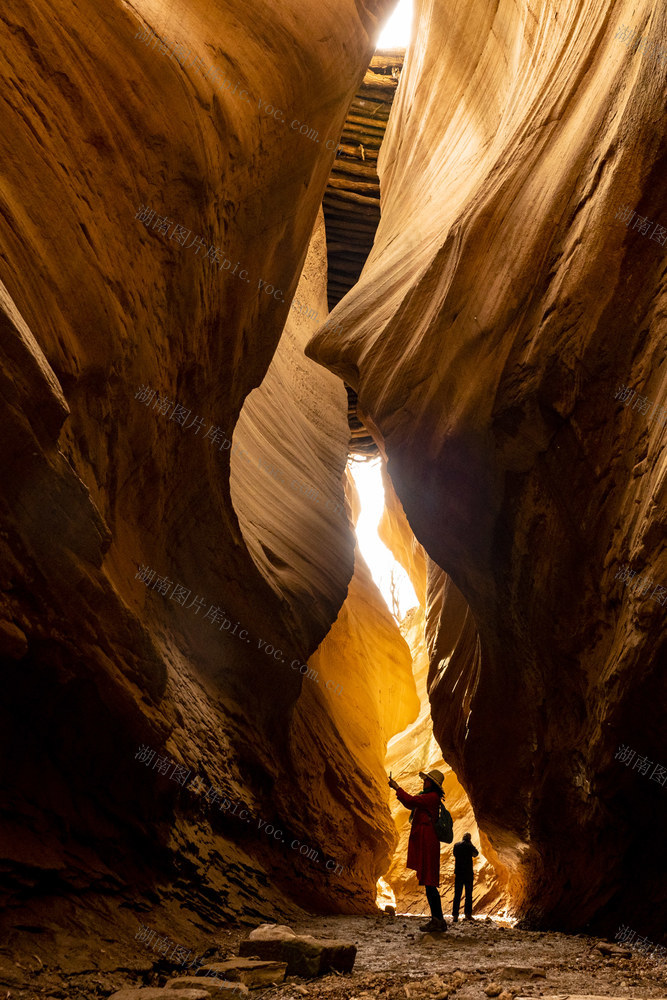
(352, 197)
(504, 304)
(154, 227)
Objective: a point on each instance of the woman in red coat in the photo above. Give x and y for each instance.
(423, 845)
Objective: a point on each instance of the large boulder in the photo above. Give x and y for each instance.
(305, 955)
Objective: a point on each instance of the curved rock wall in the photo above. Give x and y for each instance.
(358, 688)
(288, 488)
(506, 342)
(154, 226)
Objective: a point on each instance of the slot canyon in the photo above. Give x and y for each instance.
(251, 254)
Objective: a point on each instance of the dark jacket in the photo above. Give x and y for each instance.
(464, 852)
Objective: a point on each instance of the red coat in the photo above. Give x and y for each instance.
(423, 845)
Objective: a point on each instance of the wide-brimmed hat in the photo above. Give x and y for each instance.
(437, 777)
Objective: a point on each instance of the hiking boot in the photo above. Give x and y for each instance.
(434, 926)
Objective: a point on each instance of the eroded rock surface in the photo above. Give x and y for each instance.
(507, 301)
(288, 481)
(154, 226)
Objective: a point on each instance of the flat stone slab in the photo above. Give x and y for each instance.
(612, 950)
(155, 993)
(303, 954)
(253, 972)
(211, 986)
(521, 972)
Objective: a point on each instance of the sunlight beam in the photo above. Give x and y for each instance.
(397, 32)
(367, 477)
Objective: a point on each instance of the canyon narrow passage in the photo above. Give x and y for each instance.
(333, 531)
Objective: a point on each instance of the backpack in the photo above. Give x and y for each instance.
(444, 827)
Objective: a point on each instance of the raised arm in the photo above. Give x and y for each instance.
(407, 800)
(414, 801)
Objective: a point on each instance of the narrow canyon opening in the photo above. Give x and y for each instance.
(413, 749)
(388, 570)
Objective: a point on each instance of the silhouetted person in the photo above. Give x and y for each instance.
(423, 843)
(464, 852)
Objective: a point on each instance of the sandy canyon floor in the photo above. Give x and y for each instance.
(395, 961)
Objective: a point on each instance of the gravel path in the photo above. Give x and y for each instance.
(395, 961)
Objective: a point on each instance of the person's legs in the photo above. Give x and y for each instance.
(468, 902)
(434, 902)
(437, 921)
(458, 889)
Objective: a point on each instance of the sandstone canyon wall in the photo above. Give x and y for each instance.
(508, 301)
(154, 225)
(154, 228)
